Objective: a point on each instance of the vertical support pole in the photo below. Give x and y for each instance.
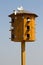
(23, 59)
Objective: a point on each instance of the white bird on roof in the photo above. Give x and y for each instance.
(15, 12)
(20, 8)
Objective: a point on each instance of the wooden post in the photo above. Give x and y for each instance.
(23, 54)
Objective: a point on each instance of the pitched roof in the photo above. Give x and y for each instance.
(22, 11)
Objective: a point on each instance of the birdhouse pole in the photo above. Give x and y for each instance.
(23, 53)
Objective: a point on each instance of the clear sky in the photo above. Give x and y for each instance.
(10, 51)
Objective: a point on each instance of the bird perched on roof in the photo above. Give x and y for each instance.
(20, 8)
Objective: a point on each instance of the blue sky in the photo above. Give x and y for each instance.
(10, 51)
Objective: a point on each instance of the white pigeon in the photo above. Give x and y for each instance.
(20, 8)
(15, 12)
